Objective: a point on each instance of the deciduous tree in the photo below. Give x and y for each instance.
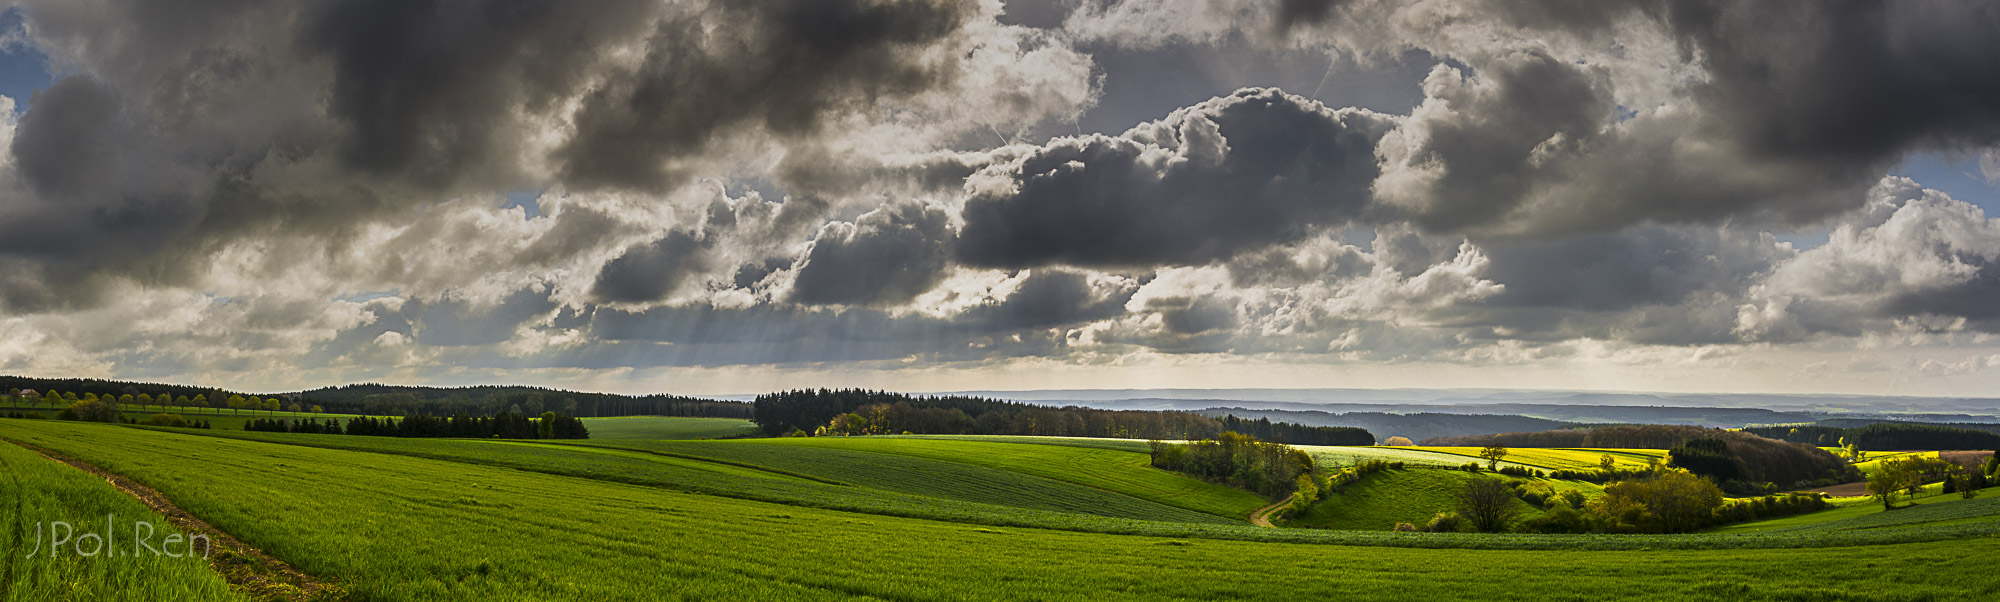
(1488, 504)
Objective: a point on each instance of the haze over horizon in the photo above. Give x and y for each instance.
(713, 197)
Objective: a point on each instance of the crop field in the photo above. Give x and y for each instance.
(405, 528)
(745, 481)
(36, 493)
(1380, 500)
(1132, 445)
(927, 477)
(666, 427)
(1123, 472)
(1522, 457)
(1563, 459)
(1874, 460)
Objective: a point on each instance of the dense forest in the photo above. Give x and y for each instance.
(388, 400)
(503, 425)
(1885, 436)
(1744, 458)
(862, 412)
(395, 400)
(1299, 434)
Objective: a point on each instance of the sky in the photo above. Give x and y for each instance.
(716, 197)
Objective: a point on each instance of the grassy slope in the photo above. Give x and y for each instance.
(743, 480)
(1381, 500)
(927, 477)
(1850, 508)
(664, 427)
(1131, 445)
(35, 491)
(1342, 455)
(399, 528)
(1117, 471)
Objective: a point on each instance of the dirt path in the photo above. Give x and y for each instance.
(249, 570)
(1262, 517)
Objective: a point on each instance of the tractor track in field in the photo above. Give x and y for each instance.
(18, 529)
(251, 571)
(1262, 517)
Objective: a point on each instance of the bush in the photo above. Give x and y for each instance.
(1560, 519)
(167, 420)
(1405, 528)
(90, 411)
(1444, 522)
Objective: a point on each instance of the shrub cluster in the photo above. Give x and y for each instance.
(1268, 469)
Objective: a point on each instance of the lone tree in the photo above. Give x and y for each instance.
(1488, 504)
(1899, 475)
(1399, 441)
(1492, 454)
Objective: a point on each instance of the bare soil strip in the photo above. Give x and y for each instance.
(249, 570)
(1262, 517)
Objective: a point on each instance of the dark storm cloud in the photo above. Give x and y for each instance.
(1489, 141)
(1644, 266)
(65, 149)
(652, 271)
(1028, 322)
(1229, 175)
(1298, 13)
(784, 67)
(1801, 107)
(1045, 299)
(191, 127)
(434, 90)
(885, 257)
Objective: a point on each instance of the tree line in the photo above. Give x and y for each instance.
(502, 425)
(90, 402)
(865, 412)
(1296, 434)
(1884, 436)
(1747, 463)
(390, 400)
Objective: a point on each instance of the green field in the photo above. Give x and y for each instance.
(421, 519)
(924, 476)
(404, 528)
(1520, 457)
(1849, 508)
(1124, 472)
(217, 419)
(1380, 500)
(720, 477)
(35, 493)
(664, 427)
